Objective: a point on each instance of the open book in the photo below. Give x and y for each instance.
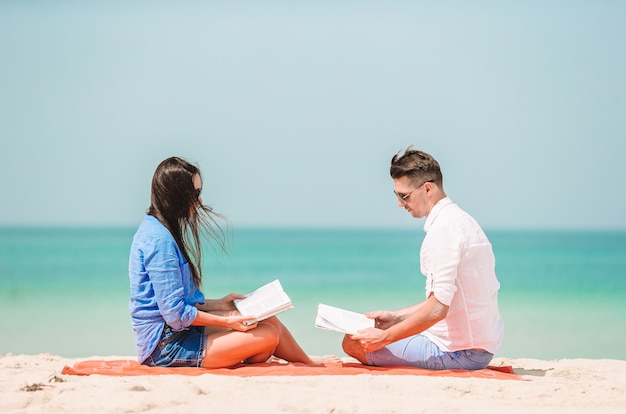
(266, 301)
(341, 320)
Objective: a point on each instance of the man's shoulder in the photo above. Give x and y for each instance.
(453, 220)
(451, 212)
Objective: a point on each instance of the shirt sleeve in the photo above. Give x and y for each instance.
(162, 264)
(440, 257)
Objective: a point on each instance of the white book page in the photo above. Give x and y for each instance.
(341, 320)
(266, 301)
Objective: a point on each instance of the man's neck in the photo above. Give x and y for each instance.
(437, 197)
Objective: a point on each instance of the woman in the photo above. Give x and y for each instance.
(173, 323)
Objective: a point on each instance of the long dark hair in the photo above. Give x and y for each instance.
(175, 203)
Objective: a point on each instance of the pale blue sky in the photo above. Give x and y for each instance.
(294, 109)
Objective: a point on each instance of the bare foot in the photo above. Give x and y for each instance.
(326, 360)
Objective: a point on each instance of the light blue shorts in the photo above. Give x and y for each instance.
(419, 351)
(179, 349)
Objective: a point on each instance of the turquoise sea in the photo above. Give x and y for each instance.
(563, 294)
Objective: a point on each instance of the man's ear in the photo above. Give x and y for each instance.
(428, 186)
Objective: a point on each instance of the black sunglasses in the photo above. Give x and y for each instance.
(404, 198)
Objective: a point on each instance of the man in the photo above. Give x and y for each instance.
(458, 326)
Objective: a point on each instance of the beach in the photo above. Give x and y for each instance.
(293, 112)
(561, 299)
(34, 384)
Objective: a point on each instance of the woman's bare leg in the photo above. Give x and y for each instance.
(289, 350)
(226, 348)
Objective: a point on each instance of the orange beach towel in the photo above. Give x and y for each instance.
(133, 368)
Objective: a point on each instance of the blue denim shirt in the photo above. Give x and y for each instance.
(161, 286)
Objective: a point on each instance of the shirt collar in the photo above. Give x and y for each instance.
(432, 216)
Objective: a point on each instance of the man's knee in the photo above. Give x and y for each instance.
(354, 349)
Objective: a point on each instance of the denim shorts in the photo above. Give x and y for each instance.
(419, 351)
(179, 349)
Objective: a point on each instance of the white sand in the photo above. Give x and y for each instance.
(33, 384)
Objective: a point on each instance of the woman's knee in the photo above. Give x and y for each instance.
(268, 332)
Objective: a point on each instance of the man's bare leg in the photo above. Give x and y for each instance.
(354, 349)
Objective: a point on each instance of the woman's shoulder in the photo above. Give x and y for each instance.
(151, 230)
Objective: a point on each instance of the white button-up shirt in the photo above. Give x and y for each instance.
(457, 259)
